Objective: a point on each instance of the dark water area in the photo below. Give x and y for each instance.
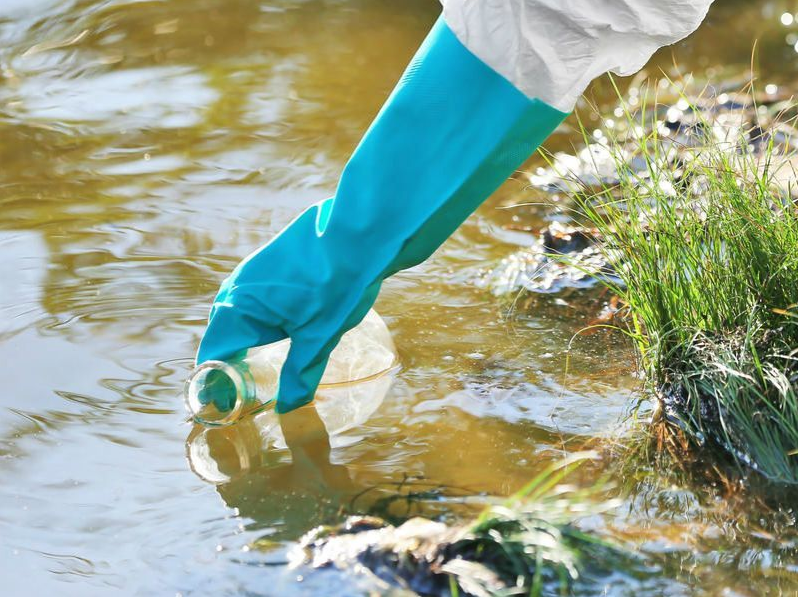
(149, 145)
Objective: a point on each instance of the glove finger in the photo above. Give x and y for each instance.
(310, 352)
(302, 372)
(218, 389)
(231, 330)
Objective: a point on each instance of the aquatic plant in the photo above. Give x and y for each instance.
(532, 537)
(705, 244)
(528, 544)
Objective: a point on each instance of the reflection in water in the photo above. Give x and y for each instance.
(280, 470)
(253, 476)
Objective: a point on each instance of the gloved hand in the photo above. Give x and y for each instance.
(451, 132)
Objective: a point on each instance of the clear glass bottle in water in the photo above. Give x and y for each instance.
(220, 392)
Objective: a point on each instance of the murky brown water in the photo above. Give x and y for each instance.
(146, 146)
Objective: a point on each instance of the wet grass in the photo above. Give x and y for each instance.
(532, 537)
(719, 522)
(706, 249)
(528, 544)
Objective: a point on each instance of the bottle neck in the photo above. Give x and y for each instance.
(218, 392)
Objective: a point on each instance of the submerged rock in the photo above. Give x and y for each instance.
(505, 551)
(410, 556)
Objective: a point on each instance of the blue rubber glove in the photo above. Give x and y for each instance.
(451, 132)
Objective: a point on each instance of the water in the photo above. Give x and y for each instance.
(146, 147)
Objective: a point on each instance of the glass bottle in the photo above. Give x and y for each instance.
(218, 393)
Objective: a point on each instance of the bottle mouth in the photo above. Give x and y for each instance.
(216, 393)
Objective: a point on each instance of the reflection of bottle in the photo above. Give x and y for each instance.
(218, 393)
(249, 466)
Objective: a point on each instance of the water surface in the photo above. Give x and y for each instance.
(146, 147)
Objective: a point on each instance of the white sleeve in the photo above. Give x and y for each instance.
(552, 49)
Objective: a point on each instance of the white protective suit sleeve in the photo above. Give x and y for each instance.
(552, 49)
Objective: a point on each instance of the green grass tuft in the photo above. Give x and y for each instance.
(528, 544)
(706, 249)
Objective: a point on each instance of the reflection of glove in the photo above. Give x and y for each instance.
(452, 131)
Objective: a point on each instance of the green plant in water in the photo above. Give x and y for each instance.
(528, 544)
(531, 536)
(706, 251)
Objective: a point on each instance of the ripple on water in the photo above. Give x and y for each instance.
(162, 97)
(21, 271)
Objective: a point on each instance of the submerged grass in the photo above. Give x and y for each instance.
(706, 249)
(531, 537)
(528, 544)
